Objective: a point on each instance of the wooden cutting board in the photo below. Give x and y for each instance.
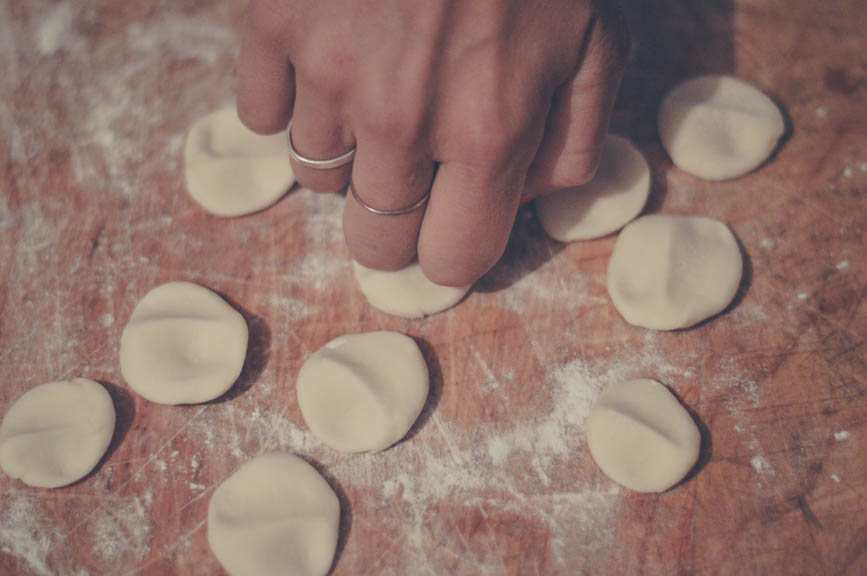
(95, 98)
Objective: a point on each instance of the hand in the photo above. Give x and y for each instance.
(478, 101)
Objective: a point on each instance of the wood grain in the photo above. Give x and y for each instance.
(95, 98)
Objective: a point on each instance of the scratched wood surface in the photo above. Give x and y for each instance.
(95, 97)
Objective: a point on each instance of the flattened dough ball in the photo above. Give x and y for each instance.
(231, 171)
(406, 292)
(604, 205)
(56, 433)
(183, 345)
(718, 127)
(363, 391)
(669, 272)
(274, 516)
(641, 437)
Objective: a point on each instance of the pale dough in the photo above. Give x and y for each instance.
(615, 196)
(56, 433)
(641, 437)
(669, 272)
(406, 292)
(718, 127)
(274, 516)
(183, 345)
(363, 391)
(231, 171)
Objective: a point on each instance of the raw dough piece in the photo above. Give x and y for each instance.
(363, 391)
(183, 345)
(231, 171)
(718, 127)
(56, 433)
(406, 292)
(669, 272)
(274, 516)
(604, 205)
(641, 437)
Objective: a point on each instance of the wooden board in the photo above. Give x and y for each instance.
(95, 98)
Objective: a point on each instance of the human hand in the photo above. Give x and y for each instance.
(478, 102)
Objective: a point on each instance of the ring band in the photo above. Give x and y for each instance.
(421, 202)
(326, 164)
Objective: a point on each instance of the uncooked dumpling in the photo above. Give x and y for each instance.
(669, 272)
(615, 196)
(56, 433)
(406, 292)
(718, 127)
(363, 391)
(641, 437)
(231, 171)
(275, 516)
(183, 345)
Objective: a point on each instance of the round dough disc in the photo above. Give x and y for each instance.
(718, 127)
(363, 391)
(56, 433)
(183, 345)
(231, 171)
(406, 292)
(604, 205)
(274, 516)
(641, 437)
(669, 272)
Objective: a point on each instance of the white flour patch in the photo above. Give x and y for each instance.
(761, 466)
(835, 478)
(196, 487)
(848, 172)
(841, 436)
(821, 112)
(767, 243)
(25, 533)
(55, 30)
(317, 272)
(863, 166)
(802, 295)
(106, 320)
(842, 265)
(290, 308)
(120, 529)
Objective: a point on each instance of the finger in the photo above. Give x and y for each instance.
(581, 110)
(319, 133)
(468, 221)
(266, 84)
(386, 176)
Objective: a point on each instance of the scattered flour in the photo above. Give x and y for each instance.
(821, 112)
(835, 478)
(120, 529)
(106, 320)
(848, 172)
(841, 436)
(55, 30)
(842, 264)
(767, 243)
(25, 533)
(761, 466)
(802, 295)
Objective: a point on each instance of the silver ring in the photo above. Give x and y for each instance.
(398, 212)
(326, 164)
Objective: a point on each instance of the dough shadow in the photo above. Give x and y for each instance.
(345, 526)
(435, 389)
(124, 410)
(528, 249)
(705, 452)
(743, 288)
(258, 353)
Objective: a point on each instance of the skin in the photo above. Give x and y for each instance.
(481, 102)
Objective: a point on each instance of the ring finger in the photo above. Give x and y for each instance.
(318, 132)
